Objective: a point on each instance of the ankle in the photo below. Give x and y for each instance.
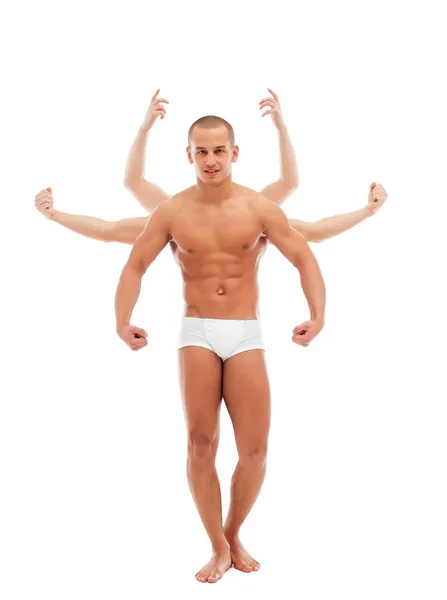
(221, 547)
(231, 536)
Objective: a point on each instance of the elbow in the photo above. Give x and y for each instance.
(292, 185)
(109, 232)
(131, 183)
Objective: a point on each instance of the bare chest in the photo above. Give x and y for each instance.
(213, 232)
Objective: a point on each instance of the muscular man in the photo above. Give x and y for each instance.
(217, 229)
(150, 195)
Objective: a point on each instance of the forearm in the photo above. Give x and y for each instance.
(91, 227)
(136, 159)
(127, 294)
(313, 288)
(330, 226)
(289, 167)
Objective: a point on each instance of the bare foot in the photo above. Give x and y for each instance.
(241, 558)
(215, 568)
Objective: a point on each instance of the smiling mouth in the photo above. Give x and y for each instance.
(216, 171)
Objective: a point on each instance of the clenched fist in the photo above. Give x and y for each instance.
(155, 110)
(376, 197)
(303, 334)
(274, 108)
(134, 337)
(44, 202)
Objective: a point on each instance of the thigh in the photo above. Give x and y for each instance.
(246, 393)
(201, 389)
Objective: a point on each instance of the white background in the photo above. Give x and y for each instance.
(94, 498)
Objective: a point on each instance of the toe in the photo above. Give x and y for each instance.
(242, 567)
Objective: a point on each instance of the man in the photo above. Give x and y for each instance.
(234, 310)
(217, 230)
(151, 195)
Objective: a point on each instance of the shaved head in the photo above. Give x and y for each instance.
(212, 122)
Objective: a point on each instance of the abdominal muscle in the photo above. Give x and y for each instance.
(216, 298)
(223, 288)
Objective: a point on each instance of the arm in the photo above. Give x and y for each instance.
(288, 181)
(148, 194)
(125, 231)
(292, 245)
(331, 226)
(145, 250)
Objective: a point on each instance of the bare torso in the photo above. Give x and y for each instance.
(217, 247)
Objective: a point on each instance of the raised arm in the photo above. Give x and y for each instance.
(145, 250)
(125, 230)
(148, 194)
(288, 181)
(292, 245)
(331, 226)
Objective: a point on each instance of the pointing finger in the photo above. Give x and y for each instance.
(275, 96)
(155, 95)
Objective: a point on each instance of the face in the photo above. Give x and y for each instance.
(211, 154)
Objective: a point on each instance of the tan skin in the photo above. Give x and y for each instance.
(217, 231)
(227, 378)
(151, 195)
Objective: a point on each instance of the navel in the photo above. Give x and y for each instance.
(221, 290)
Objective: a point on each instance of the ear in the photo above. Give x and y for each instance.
(235, 153)
(188, 152)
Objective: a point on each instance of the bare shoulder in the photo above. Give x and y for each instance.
(243, 190)
(260, 202)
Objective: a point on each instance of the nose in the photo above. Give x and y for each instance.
(210, 160)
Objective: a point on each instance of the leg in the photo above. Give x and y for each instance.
(247, 395)
(201, 386)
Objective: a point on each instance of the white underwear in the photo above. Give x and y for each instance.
(224, 337)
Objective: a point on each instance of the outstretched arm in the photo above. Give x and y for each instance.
(125, 230)
(148, 194)
(292, 245)
(331, 226)
(145, 250)
(288, 181)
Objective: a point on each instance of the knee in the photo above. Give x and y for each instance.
(255, 457)
(201, 446)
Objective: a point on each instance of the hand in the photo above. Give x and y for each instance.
(376, 197)
(303, 334)
(134, 337)
(43, 201)
(155, 110)
(275, 109)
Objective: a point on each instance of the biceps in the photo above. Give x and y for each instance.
(293, 246)
(146, 249)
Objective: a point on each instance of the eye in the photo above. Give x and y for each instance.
(220, 150)
(200, 151)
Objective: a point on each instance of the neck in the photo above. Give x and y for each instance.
(214, 194)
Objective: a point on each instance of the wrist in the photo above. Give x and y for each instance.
(281, 127)
(319, 319)
(367, 212)
(144, 128)
(120, 326)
